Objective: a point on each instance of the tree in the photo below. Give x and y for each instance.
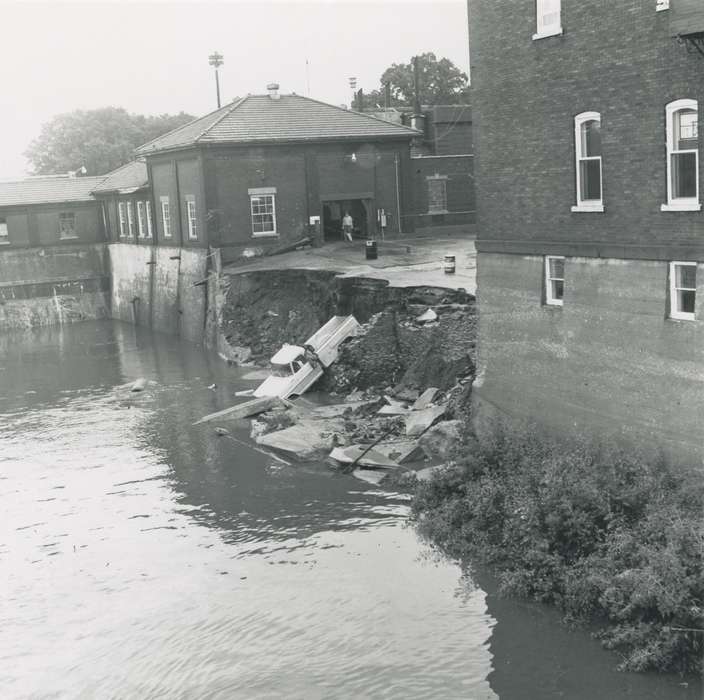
(441, 82)
(99, 139)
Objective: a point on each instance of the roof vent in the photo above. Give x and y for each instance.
(273, 89)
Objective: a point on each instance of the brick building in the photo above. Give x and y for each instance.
(591, 243)
(256, 173)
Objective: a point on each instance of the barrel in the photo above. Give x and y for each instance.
(448, 264)
(370, 250)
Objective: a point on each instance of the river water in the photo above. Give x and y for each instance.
(143, 557)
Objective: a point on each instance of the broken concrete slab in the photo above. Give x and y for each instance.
(428, 473)
(428, 317)
(393, 408)
(244, 410)
(336, 410)
(305, 441)
(371, 476)
(440, 441)
(139, 385)
(362, 455)
(425, 399)
(417, 422)
(401, 451)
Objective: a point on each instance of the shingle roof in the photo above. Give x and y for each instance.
(126, 179)
(48, 190)
(259, 118)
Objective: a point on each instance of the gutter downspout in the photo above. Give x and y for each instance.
(398, 197)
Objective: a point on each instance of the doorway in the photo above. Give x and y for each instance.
(335, 209)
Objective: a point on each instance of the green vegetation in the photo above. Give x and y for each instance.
(609, 537)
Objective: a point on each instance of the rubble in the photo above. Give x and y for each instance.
(243, 410)
(417, 422)
(440, 441)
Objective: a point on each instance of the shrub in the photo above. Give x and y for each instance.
(609, 536)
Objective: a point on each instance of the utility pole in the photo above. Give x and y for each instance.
(216, 60)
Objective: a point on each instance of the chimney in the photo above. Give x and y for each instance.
(273, 89)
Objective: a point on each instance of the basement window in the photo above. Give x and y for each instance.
(67, 225)
(166, 216)
(262, 202)
(548, 22)
(192, 219)
(683, 290)
(123, 219)
(141, 222)
(4, 233)
(437, 194)
(554, 279)
(682, 129)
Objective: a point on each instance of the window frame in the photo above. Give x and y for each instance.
(4, 231)
(130, 219)
(550, 299)
(674, 312)
(437, 178)
(679, 203)
(150, 230)
(586, 205)
(258, 192)
(192, 218)
(122, 218)
(166, 216)
(141, 223)
(63, 216)
(542, 31)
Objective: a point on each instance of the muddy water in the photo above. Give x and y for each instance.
(142, 557)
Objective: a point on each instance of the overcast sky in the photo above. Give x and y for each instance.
(152, 58)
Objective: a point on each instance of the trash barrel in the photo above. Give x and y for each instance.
(371, 251)
(448, 264)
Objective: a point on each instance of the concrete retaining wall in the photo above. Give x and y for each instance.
(155, 287)
(607, 363)
(52, 285)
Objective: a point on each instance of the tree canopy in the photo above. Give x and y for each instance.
(441, 83)
(99, 139)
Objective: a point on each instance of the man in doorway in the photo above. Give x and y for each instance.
(347, 226)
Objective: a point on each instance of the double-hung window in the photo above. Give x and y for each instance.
(4, 233)
(192, 220)
(130, 220)
(149, 219)
(437, 194)
(141, 222)
(121, 208)
(554, 279)
(683, 290)
(67, 225)
(166, 216)
(587, 141)
(548, 21)
(682, 132)
(262, 202)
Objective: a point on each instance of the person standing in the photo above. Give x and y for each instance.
(347, 226)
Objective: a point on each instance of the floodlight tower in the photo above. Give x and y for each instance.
(216, 60)
(353, 85)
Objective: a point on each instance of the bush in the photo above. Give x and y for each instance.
(608, 536)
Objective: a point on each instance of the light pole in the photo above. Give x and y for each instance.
(353, 86)
(216, 60)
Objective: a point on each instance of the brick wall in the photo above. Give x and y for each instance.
(616, 58)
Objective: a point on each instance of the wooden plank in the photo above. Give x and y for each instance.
(243, 410)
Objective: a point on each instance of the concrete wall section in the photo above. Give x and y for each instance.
(131, 271)
(608, 362)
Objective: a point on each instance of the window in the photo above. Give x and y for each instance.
(683, 290)
(587, 141)
(554, 279)
(130, 220)
(166, 216)
(123, 219)
(263, 204)
(682, 127)
(149, 219)
(141, 223)
(437, 194)
(547, 18)
(4, 234)
(67, 225)
(192, 221)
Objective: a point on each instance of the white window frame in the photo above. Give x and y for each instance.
(166, 216)
(586, 205)
(4, 231)
(263, 192)
(130, 220)
(141, 224)
(63, 216)
(678, 203)
(122, 216)
(674, 312)
(150, 231)
(543, 30)
(550, 299)
(191, 214)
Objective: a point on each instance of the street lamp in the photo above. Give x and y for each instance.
(216, 60)
(353, 86)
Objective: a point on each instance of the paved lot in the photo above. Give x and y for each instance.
(405, 263)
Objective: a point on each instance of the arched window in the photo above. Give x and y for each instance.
(682, 131)
(587, 141)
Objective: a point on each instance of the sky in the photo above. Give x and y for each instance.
(152, 58)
